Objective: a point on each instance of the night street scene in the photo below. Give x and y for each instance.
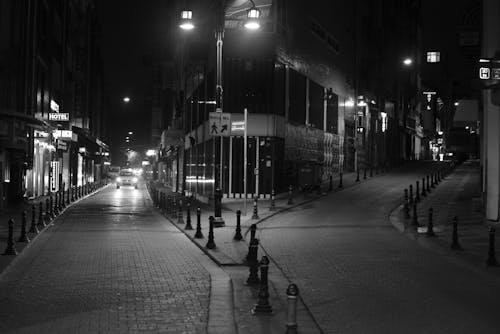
(249, 166)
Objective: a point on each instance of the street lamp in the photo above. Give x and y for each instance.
(186, 22)
(253, 18)
(126, 99)
(407, 61)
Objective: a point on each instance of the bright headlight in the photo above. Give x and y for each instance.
(118, 179)
(135, 179)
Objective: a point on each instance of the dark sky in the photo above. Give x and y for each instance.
(130, 30)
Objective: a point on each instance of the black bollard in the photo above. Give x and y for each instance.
(414, 220)
(430, 225)
(357, 174)
(24, 236)
(263, 305)
(255, 209)
(273, 202)
(180, 219)
(340, 181)
(253, 231)
(47, 210)
(198, 234)
(11, 247)
(433, 182)
(406, 210)
(253, 277)
(410, 198)
(237, 235)
(492, 260)
(68, 197)
(424, 193)
(417, 192)
(51, 206)
(290, 195)
(454, 240)
(428, 183)
(330, 185)
(406, 195)
(56, 204)
(364, 174)
(292, 294)
(33, 228)
(211, 243)
(188, 217)
(41, 221)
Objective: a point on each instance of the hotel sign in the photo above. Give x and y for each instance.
(59, 117)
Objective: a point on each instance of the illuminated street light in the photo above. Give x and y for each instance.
(150, 153)
(126, 99)
(253, 15)
(186, 20)
(407, 61)
(130, 133)
(456, 104)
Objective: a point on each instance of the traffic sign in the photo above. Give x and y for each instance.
(220, 124)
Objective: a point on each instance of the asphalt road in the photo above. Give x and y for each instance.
(358, 274)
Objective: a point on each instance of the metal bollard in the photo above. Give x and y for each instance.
(188, 217)
(406, 195)
(414, 220)
(430, 225)
(292, 294)
(424, 193)
(33, 228)
(253, 277)
(255, 209)
(237, 235)
(253, 230)
(273, 202)
(211, 243)
(492, 260)
(198, 234)
(41, 221)
(428, 184)
(406, 210)
(56, 205)
(11, 247)
(454, 240)
(24, 236)
(47, 210)
(330, 182)
(417, 192)
(357, 174)
(433, 181)
(340, 181)
(174, 207)
(364, 174)
(410, 198)
(290, 195)
(180, 219)
(51, 207)
(263, 305)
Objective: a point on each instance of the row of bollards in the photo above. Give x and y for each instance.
(54, 205)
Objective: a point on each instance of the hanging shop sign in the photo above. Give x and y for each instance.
(59, 117)
(64, 134)
(62, 145)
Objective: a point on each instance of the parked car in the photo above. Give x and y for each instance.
(127, 177)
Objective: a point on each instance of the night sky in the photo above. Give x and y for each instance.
(130, 30)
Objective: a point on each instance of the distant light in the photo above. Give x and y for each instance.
(361, 104)
(150, 153)
(349, 103)
(126, 99)
(373, 102)
(456, 104)
(407, 61)
(130, 133)
(107, 163)
(484, 60)
(466, 128)
(440, 133)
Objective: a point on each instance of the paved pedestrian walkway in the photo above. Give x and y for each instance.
(458, 194)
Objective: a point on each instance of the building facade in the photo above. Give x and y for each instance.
(51, 105)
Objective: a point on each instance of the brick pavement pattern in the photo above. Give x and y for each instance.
(107, 265)
(357, 274)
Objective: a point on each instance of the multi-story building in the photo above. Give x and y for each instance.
(51, 110)
(323, 84)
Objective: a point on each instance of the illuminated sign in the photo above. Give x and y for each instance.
(62, 145)
(60, 117)
(40, 134)
(484, 73)
(62, 134)
(54, 106)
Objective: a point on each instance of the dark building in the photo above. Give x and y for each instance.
(51, 105)
(323, 83)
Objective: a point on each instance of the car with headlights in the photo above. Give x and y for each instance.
(126, 177)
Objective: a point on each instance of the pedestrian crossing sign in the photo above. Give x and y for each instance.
(219, 124)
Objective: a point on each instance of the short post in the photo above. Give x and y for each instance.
(414, 220)
(56, 204)
(198, 234)
(433, 182)
(11, 248)
(290, 195)
(417, 192)
(255, 209)
(51, 206)
(174, 208)
(68, 197)
(292, 293)
(253, 277)
(406, 209)
(340, 181)
(492, 260)
(33, 228)
(263, 305)
(411, 194)
(430, 225)
(364, 174)
(237, 235)
(438, 173)
(41, 221)
(357, 174)
(428, 183)
(180, 219)
(211, 243)
(406, 195)
(47, 210)
(273, 202)
(330, 185)
(424, 193)
(454, 240)
(253, 230)
(24, 236)
(188, 217)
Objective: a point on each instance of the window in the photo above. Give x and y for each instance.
(433, 57)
